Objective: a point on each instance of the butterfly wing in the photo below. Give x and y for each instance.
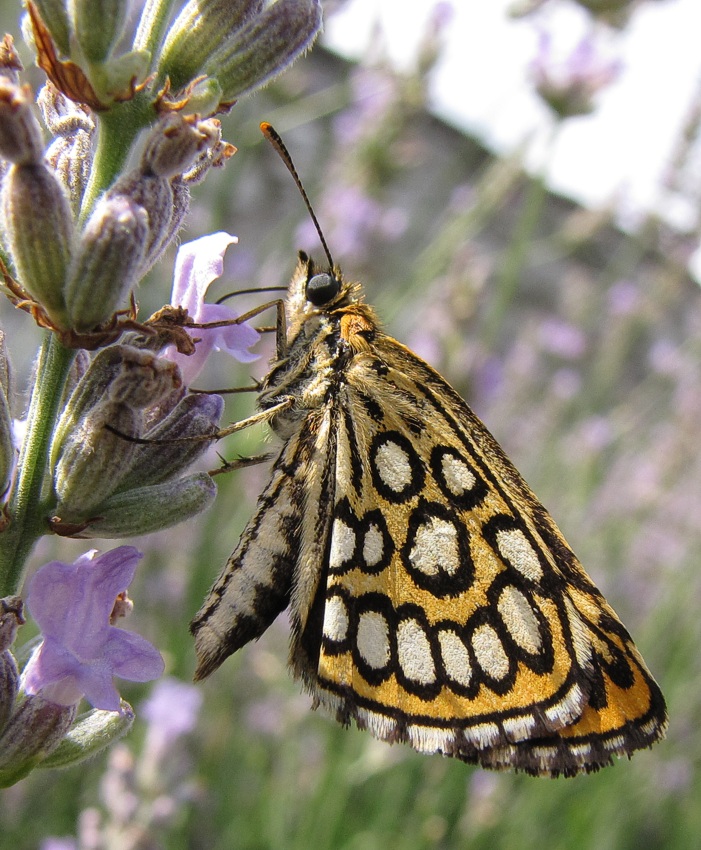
(277, 559)
(452, 614)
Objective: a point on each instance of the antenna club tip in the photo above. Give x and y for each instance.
(265, 127)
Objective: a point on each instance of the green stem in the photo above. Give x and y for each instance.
(118, 127)
(513, 264)
(27, 520)
(519, 246)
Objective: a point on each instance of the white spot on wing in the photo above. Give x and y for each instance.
(373, 546)
(457, 476)
(342, 544)
(489, 652)
(393, 466)
(414, 653)
(435, 547)
(519, 553)
(373, 639)
(335, 619)
(519, 619)
(456, 659)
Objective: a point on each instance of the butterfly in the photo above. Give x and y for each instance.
(432, 598)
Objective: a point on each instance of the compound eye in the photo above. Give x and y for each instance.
(321, 288)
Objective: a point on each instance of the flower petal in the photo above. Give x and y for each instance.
(132, 657)
(197, 264)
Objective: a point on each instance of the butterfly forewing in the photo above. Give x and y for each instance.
(433, 599)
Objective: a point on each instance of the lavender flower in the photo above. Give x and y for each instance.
(568, 86)
(198, 264)
(81, 652)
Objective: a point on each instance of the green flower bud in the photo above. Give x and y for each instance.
(155, 195)
(148, 509)
(173, 146)
(39, 227)
(204, 97)
(115, 372)
(265, 47)
(93, 459)
(35, 729)
(105, 268)
(201, 27)
(90, 734)
(21, 141)
(70, 155)
(98, 25)
(195, 416)
(113, 78)
(90, 390)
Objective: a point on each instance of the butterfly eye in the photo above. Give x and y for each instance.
(322, 288)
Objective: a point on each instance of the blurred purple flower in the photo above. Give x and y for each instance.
(569, 85)
(81, 651)
(172, 709)
(623, 297)
(561, 338)
(197, 264)
(53, 843)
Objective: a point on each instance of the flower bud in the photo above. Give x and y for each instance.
(90, 734)
(98, 25)
(70, 155)
(148, 509)
(105, 268)
(155, 195)
(9, 686)
(265, 46)
(90, 390)
(20, 134)
(39, 227)
(197, 415)
(172, 146)
(198, 30)
(11, 618)
(35, 728)
(115, 372)
(93, 459)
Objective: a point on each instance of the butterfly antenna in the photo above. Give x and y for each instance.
(273, 137)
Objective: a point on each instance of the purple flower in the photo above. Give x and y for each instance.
(199, 263)
(569, 84)
(172, 709)
(81, 651)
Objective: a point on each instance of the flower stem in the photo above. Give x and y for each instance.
(118, 127)
(27, 522)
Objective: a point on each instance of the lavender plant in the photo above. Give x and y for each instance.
(79, 231)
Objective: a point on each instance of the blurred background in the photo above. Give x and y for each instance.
(563, 308)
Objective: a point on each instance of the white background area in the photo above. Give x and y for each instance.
(619, 154)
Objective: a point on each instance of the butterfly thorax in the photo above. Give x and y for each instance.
(321, 341)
